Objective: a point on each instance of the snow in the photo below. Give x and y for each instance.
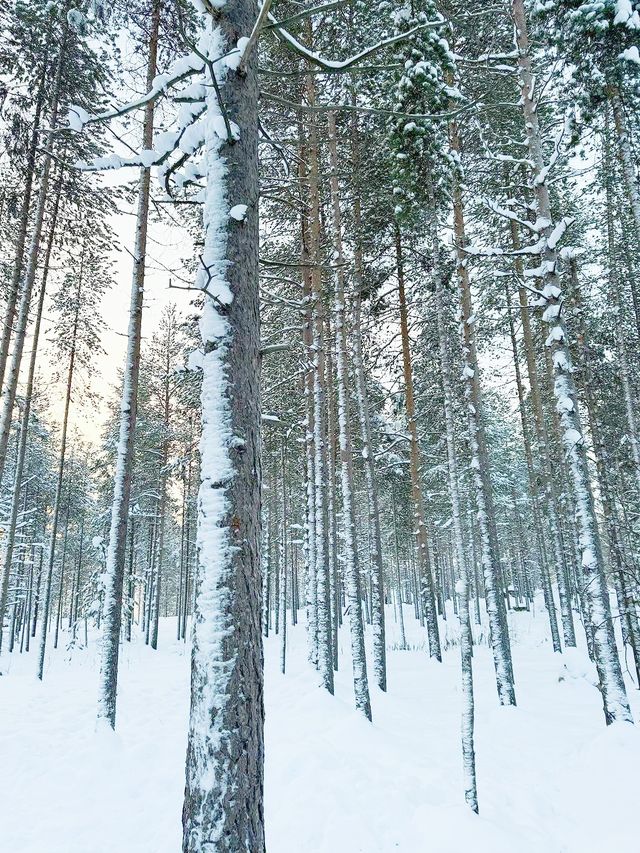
(194, 361)
(238, 212)
(626, 15)
(551, 776)
(571, 437)
(77, 117)
(76, 20)
(631, 54)
(234, 58)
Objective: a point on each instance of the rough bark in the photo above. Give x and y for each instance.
(424, 563)
(362, 398)
(499, 632)
(615, 702)
(351, 557)
(223, 805)
(117, 547)
(462, 585)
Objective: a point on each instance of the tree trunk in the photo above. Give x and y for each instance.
(462, 585)
(28, 397)
(283, 561)
(116, 551)
(351, 561)
(499, 632)
(322, 568)
(626, 157)
(311, 584)
(21, 238)
(362, 398)
(46, 605)
(11, 385)
(615, 702)
(223, 805)
(551, 502)
(424, 563)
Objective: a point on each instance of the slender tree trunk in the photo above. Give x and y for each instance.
(266, 572)
(615, 702)
(11, 386)
(73, 607)
(311, 585)
(36, 603)
(551, 501)
(65, 542)
(159, 552)
(46, 605)
(351, 560)
(23, 226)
(626, 156)
(499, 632)
(362, 398)
(424, 564)
(26, 415)
(323, 586)
(283, 560)
(545, 580)
(332, 430)
(116, 551)
(462, 585)
(615, 295)
(403, 636)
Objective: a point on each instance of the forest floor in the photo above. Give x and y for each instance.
(551, 777)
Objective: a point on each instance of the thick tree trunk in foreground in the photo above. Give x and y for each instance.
(223, 805)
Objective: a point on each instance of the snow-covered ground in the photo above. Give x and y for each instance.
(551, 777)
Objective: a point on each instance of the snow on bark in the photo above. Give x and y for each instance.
(310, 514)
(351, 562)
(478, 465)
(114, 569)
(462, 585)
(321, 512)
(626, 157)
(223, 808)
(362, 400)
(615, 702)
